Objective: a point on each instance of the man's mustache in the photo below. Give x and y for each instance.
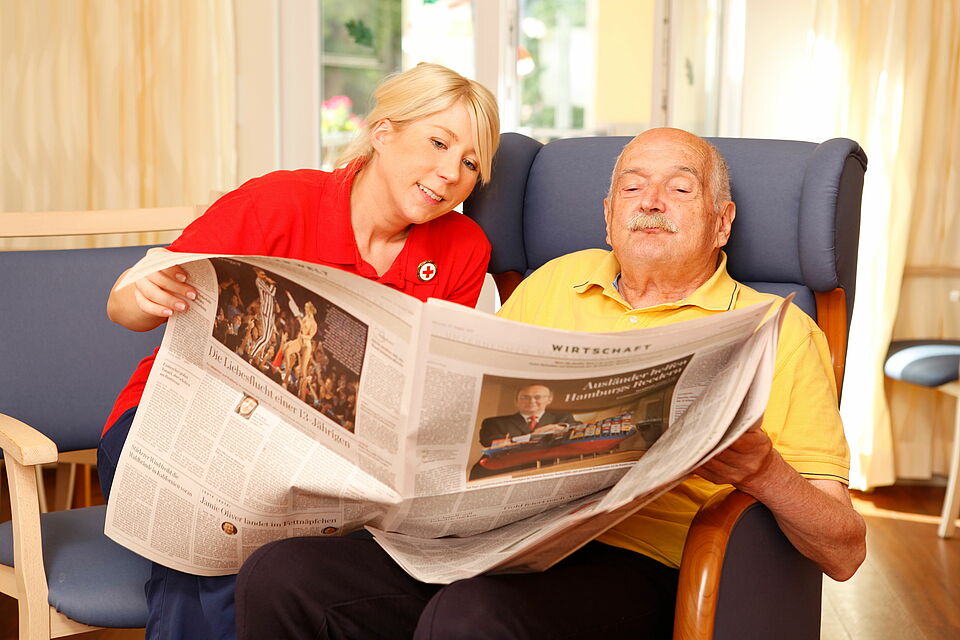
(651, 221)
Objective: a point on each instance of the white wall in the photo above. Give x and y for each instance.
(624, 65)
(278, 86)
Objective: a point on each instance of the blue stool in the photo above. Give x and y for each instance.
(934, 364)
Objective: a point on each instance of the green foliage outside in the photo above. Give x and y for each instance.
(361, 45)
(538, 114)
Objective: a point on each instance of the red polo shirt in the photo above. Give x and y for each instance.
(305, 215)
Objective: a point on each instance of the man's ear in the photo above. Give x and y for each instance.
(725, 222)
(380, 133)
(606, 217)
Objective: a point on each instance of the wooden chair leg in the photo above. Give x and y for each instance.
(951, 504)
(63, 492)
(86, 485)
(41, 489)
(29, 575)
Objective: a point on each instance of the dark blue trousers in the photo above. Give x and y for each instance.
(181, 606)
(337, 588)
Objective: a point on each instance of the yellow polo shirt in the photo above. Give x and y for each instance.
(576, 292)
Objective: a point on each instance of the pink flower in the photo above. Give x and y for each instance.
(338, 102)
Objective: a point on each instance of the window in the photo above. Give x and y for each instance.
(555, 66)
(703, 66)
(307, 70)
(359, 45)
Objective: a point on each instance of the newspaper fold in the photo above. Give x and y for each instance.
(296, 399)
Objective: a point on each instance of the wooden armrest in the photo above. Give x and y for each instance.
(24, 447)
(702, 563)
(25, 444)
(832, 319)
(506, 283)
(740, 577)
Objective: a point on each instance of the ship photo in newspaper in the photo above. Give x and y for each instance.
(303, 342)
(543, 426)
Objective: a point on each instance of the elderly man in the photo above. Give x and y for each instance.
(668, 215)
(532, 416)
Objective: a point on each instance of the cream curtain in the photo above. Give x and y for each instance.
(929, 308)
(885, 73)
(115, 103)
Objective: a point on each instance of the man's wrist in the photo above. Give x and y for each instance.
(772, 478)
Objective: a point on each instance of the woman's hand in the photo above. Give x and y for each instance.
(149, 301)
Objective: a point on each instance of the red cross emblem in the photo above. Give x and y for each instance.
(427, 270)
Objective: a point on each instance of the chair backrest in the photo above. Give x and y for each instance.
(796, 230)
(62, 362)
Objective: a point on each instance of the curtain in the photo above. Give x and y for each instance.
(923, 419)
(885, 73)
(113, 104)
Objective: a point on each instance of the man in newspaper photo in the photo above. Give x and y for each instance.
(532, 416)
(668, 215)
(533, 419)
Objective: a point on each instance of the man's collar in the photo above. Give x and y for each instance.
(604, 275)
(718, 293)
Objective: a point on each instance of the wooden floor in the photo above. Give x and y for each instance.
(908, 588)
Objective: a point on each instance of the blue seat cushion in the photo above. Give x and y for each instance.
(929, 363)
(91, 578)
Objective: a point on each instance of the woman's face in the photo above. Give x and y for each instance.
(429, 166)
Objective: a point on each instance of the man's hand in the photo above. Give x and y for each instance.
(549, 428)
(743, 463)
(151, 300)
(816, 515)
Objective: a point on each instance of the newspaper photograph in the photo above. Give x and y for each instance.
(303, 342)
(588, 421)
(296, 399)
(539, 541)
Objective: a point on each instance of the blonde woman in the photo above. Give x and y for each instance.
(429, 139)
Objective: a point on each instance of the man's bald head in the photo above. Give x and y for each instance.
(717, 173)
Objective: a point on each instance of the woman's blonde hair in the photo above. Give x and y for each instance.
(426, 89)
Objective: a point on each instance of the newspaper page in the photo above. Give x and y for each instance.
(294, 399)
(708, 426)
(275, 408)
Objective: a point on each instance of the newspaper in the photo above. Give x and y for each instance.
(295, 399)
